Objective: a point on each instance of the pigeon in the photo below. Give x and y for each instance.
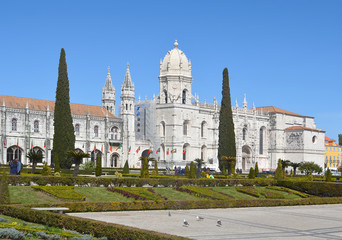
(219, 223)
(185, 223)
(169, 214)
(199, 218)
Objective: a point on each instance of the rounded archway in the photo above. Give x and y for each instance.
(94, 155)
(246, 157)
(146, 153)
(115, 160)
(14, 152)
(186, 154)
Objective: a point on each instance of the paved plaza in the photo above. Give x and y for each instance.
(299, 222)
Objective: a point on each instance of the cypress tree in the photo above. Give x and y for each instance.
(226, 126)
(57, 167)
(279, 175)
(256, 170)
(251, 174)
(328, 175)
(187, 171)
(98, 168)
(63, 138)
(126, 168)
(192, 170)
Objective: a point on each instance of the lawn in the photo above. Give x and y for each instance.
(27, 195)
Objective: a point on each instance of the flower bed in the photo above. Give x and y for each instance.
(64, 192)
(272, 194)
(204, 192)
(290, 191)
(249, 190)
(138, 193)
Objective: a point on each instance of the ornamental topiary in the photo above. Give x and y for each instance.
(328, 175)
(126, 168)
(251, 174)
(98, 169)
(192, 170)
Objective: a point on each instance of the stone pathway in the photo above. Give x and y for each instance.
(299, 222)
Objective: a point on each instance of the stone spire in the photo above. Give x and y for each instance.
(245, 102)
(236, 103)
(128, 81)
(109, 84)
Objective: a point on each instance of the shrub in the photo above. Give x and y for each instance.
(46, 170)
(4, 192)
(204, 192)
(279, 174)
(57, 167)
(248, 190)
(271, 194)
(138, 193)
(187, 171)
(155, 171)
(98, 169)
(290, 191)
(251, 174)
(126, 168)
(192, 170)
(11, 233)
(256, 170)
(88, 166)
(328, 175)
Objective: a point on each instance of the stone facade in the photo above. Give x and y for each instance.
(174, 127)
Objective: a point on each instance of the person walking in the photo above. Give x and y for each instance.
(19, 166)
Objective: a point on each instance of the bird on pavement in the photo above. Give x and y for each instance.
(199, 218)
(169, 214)
(185, 223)
(219, 223)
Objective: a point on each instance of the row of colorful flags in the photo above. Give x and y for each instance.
(117, 148)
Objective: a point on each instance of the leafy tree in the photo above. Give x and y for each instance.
(199, 163)
(35, 157)
(78, 157)
(340, 169)
(187, 171)
(144, 170)
(226, 143)
(126, 168)
(98, 168)
(279, 171)
(285, 164)
(251, 174)
(57, 167)
(192, 170)
(310, 167)
(295, 166)
(328, 175)
(63, 138)
(256, 170)
(88, 166)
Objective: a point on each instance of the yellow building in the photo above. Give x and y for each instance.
(333, 153)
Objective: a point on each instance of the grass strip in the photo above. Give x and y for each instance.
(64, 192)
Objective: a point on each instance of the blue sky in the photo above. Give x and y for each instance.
(286, 54)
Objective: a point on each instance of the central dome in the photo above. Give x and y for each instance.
(175, 63)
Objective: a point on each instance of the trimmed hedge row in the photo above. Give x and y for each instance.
(203, 192)
(290, 191)
(138, 193)
(137, 182)
(95, 228)
(322, 189)
(186, 204)
(271, 194)
(249, 190)
(64, 192)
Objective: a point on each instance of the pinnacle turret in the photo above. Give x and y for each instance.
(128, 80)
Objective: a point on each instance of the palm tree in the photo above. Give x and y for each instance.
(199, 167)
(78, 157)
(285, 163)
(34, 157)
(229, 162)
(144, 163)
(295, 166)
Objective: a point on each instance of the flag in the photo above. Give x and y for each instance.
(158, 150)
(119, 147)
(44, 144)
(111, 148)
(184, 151)
(167, 152)
(102, 148)
(149, 151)
(138, 149)
(94, 147)
(4, 143)
(129, 150)
(31, 144)
(17, 142)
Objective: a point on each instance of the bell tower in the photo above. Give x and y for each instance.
(108, 94)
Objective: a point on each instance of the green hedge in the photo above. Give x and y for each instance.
(322, 189)
(138, 182)
(186, 204)
(250, 190)
(290, 191)
(204, 192)
(95, 228)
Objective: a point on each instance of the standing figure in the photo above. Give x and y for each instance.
(13, 167)
(19, 166)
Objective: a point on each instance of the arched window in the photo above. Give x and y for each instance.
(186, 148)
(244, 133)
(14, 124)
(185, 128)
(184, 97)
(96, 131)
(162, 129)
(36, 126)
(126, 106)
(203, 129)
(77, 129)
(165, 93)
(114, 133)
(204, 153)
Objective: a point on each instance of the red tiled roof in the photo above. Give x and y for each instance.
(304, 128)
(41, 105)
(277, 110)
